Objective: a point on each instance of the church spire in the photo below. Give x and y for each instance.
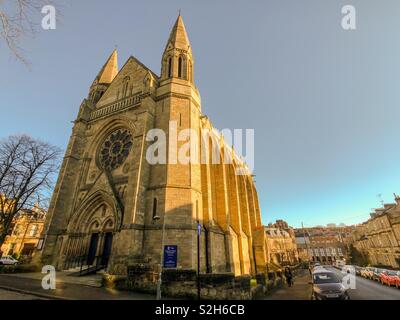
(109, 70)
(104, 77)
(178, 37)
(177, 59)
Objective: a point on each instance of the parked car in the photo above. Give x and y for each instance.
(339, 264)
(391, 278)
(327, 285)
(376, 273)
(367, 273)
(8, 260)
(363, 272)
(318, 268)
(358, 270)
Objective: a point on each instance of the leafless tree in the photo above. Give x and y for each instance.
(27, 169)
(18, 19)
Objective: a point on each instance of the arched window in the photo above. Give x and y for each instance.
(154, 207)
(126, 88)
(125, 91)
(180, 67)
(190, 72)
(169, 67)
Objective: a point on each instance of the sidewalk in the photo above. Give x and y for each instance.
(94, 280)
(301, 290)
(65, 291)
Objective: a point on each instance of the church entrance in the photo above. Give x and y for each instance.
(106, 248)
(94, 240)
(91, 237)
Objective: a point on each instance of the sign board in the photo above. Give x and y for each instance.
(170, 256)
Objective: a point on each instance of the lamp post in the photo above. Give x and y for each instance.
(159, 281)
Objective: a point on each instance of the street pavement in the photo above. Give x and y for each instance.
(12, 295)
(370, 290)
(69, 291)
(301, 289)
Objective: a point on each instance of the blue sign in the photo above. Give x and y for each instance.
(170, 256)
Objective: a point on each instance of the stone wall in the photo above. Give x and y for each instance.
(183, 284)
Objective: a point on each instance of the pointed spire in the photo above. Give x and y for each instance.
(178, 37)
(109, 70)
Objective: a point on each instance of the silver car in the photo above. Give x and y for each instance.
(8, 260)
(327, 285)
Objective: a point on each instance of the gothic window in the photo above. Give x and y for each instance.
(125, 87)
(190, 72)
(180, 67)
(169, 67)
(154, 207)
(115, 149)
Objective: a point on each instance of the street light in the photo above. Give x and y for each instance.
(159, 281)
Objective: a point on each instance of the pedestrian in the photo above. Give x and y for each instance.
(288, 276)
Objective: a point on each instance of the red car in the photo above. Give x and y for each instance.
(391, 278)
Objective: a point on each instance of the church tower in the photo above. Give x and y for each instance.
(104, 78)
(177, 59)
(176, 186)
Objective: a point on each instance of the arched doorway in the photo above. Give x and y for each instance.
(90, 234)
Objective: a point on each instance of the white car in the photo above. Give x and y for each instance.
(8, 260)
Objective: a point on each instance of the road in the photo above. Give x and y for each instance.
(12, 295)
(370, 290)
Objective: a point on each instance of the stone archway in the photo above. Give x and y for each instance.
(90, 233)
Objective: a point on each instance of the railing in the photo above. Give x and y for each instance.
(82, 263)
(117, 106)
(74, 262)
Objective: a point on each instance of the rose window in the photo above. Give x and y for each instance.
(115, 149)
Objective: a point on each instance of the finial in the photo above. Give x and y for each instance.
(179, 12)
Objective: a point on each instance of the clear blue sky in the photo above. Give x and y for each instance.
(324, 102)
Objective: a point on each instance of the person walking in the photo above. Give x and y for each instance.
(289, 276)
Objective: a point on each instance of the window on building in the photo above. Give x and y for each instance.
(190, 72)
(154, 207)
(169, 67)
(125, 88)
(17, 230)
(197, 209)
(180, 67)
(33, 231)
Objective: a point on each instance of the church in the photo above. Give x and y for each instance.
(112, 208)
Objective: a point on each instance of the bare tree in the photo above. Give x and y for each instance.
(18, 19)
(27, 168)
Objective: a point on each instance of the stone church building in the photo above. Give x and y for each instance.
(110, 204)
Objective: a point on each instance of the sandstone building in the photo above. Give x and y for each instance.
(110, 204)
(25, 233)
(281, 244)
(323, 244)
(377, 240)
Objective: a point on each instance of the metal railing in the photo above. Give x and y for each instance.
(81, 262)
